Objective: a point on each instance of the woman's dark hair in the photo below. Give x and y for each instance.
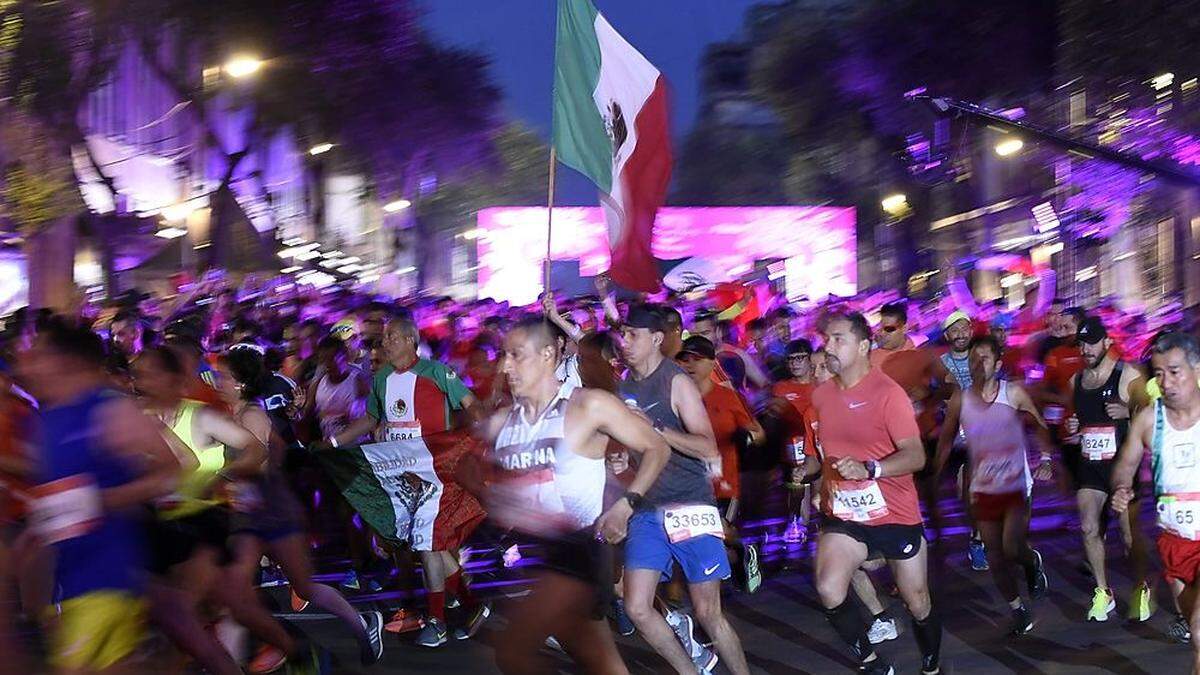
(249, 370)
(331, 342)
(168, 359)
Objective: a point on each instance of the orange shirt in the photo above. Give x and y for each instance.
(878, 355)
(799, 398)
(1062, 363)
(728, 414)
(865, 422)
(912, 369)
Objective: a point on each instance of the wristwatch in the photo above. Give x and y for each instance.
(635, 500)
(874, 469)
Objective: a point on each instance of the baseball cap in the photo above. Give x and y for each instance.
(1091, 331)
(699, 345)
(344, 329)
(1004, 321)
(955, 316)
(799, 346)
(646, 316)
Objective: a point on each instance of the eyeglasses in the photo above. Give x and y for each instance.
(889, 329)
(798, 357)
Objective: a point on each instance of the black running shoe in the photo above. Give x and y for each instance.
(1036, 577)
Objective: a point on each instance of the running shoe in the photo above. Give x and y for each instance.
(625, 625)
(372, 652)
(930, 665)
(373, 586)
(1179, 630)
(350, 582)
(882, 630)
(1102, 605)
(877, 667)
(750, 567)
(685, 630)
(474, 621)
(796, 532)
(553, 643)
(977, 554)
(270, 577)
(1022, 621)
(433, 634)
(1036, 577)
(404, 621)
(299, 604)
(705, 661)
(1141, 603)
(267, 659)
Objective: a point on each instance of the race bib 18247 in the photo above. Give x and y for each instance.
(685, 522)
(1099, 444)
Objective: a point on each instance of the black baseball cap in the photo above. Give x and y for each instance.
(1091, 330)
(799, 346)
(698, 345)
(646, 316)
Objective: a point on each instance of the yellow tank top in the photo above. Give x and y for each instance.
(188, 498)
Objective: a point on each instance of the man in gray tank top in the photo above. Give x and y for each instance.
(678, 521)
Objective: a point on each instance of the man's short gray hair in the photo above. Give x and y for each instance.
(1175, 339)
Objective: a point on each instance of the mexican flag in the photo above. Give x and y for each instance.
(610, 124)
(404, 490)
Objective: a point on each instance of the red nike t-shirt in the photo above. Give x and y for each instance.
(728, 414)
(865, 422)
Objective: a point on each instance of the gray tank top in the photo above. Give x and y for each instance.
(684, 480)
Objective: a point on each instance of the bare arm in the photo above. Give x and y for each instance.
(357, 429)
(615, 420)
(949, 431)
(1024, 403)
(551, 311)
(136, 438)
(697, 440)
(229, 433)
(1129, 458)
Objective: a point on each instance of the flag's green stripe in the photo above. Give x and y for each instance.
(353, 476)
(580, 138)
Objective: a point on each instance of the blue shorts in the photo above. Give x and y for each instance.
(702, 558)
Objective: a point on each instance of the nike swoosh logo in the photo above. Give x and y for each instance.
(711, 569)
(856, 406)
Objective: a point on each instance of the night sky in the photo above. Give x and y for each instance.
(518, 36)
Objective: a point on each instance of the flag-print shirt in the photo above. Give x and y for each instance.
(416, 401)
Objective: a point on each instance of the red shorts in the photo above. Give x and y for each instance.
(991, 508)
(1180, 557)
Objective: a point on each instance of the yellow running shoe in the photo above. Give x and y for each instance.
(1141, 603)
(1102, 604)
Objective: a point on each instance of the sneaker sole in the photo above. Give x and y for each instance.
(882, 640)
(443, 641)
(471, 632)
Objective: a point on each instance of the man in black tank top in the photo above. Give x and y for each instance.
(678, 521)
(1100, 395)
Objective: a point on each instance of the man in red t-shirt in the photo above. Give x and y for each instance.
(872, 447)
(790, 399)
(730, 419)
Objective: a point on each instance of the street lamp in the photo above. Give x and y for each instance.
(1009, 146)
(895, 204)
(242, 66)
(320, 149)
(397, 205)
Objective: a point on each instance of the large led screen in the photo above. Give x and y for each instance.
(817, 243)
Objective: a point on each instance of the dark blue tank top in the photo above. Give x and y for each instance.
(112, 556)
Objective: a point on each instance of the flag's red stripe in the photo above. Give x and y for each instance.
(645, 176)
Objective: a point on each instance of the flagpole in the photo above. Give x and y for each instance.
(549, 216)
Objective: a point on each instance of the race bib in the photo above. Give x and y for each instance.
(685, 522)
(858, 501)
(1179, 514)
(65, 509)
(402, 431)
(797, 449)
(1099, 443)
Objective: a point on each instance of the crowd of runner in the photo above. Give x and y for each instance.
(164, 462)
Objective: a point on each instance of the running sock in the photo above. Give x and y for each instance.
(456, 586)
(437, 605)
(929, 635)
(850, 628)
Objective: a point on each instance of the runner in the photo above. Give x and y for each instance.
(872, 447)
(268, 519)
(1171, 430)
(791, 398)
(549, 451)
(952, 371)
(1002, 487)
(101, 461)
(731, 421)
(678, 521)
(412, 397)
(1100, 397)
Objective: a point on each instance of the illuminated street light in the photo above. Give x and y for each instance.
(243, 66)
(895, 204)
(397, 205)
(320, 149)
(1009, 146)
(1162, 81)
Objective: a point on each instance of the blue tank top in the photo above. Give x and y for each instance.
(112, 555)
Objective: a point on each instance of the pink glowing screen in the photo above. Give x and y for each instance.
(817, 242)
